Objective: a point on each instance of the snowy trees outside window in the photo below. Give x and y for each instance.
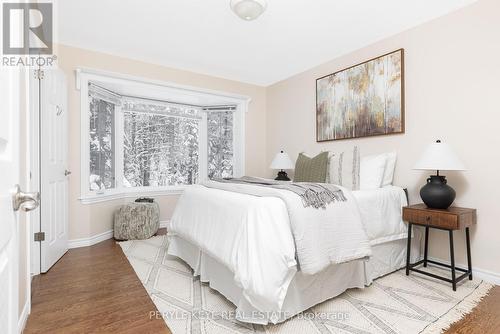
(159, 150)
(102, 169)
(220, 144)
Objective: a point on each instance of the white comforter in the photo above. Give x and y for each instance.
(253, 235)
(250, 235)
(322, 236)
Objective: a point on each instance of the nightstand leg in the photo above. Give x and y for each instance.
(426, 245)
(452, 260)
(469, 262)
(408, 250)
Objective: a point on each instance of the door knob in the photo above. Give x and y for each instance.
(25, 201)
(67, 172)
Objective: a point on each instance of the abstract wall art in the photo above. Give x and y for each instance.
(363, 100)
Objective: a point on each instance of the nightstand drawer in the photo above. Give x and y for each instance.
(448, 221)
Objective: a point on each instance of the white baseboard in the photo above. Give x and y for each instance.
(23, 317)
(85, 242)
(485, 275)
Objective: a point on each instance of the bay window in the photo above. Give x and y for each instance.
(135, 144)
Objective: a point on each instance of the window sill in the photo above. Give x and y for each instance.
(133, 193)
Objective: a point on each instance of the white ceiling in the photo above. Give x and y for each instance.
(205, 36)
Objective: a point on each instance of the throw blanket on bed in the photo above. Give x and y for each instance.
(317, 195)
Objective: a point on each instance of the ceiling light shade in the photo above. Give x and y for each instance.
(248, 10)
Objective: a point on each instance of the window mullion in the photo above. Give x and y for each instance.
(203, 148)
(118, 131)
(239, 140)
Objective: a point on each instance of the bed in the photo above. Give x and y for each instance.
(250, 255)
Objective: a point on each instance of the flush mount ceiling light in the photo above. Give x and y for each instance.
(248, 10)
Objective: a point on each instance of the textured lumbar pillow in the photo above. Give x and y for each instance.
(343, 168)
(311, 169)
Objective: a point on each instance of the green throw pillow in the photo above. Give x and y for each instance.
(311, 169)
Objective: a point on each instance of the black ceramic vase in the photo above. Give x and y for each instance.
(436, 193)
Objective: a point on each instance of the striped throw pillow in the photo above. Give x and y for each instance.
(344, 168)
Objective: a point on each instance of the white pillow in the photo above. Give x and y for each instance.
(372, 171)
(389, 169)
(344, 168)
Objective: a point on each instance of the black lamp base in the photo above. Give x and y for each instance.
(436, 194)
(282, 176)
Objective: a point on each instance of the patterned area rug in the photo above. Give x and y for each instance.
(392, 304)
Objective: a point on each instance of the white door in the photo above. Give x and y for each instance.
(54, 167)
(9, 176)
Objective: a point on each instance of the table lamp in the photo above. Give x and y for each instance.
(438, 156)
(282, 161)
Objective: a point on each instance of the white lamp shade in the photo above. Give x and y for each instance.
(439, 156)
(282, 161)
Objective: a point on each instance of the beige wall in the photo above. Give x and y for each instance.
(89, 220)
(452, 89)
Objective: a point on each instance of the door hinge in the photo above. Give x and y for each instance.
(39, 74)
(40, 236)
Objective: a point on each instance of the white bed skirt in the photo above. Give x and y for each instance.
(304, 291)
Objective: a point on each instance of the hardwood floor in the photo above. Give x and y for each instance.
(485, 318)
(95, 290)
(92, 290)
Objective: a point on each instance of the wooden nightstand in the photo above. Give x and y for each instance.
(451, 219)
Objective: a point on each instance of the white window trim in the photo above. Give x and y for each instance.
(84, 75)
